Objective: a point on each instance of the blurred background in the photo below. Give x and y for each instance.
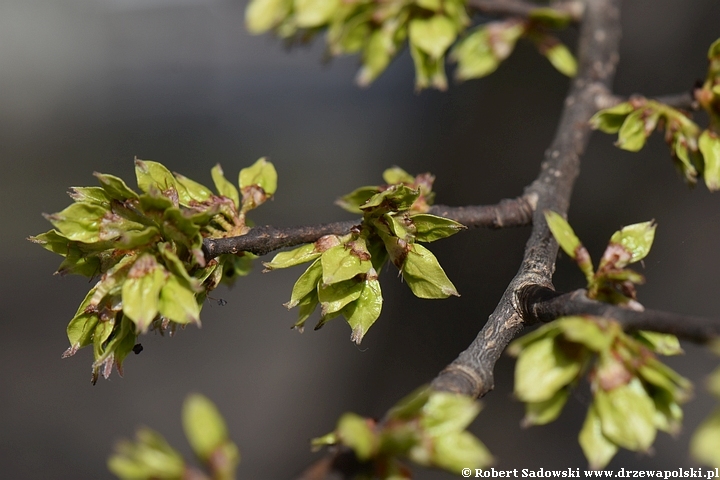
(86, 85)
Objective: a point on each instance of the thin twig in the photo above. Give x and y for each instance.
(263, 240)
(522, 9)
(540, 304)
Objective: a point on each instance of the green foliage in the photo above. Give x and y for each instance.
(150, 457)
(705, 443)
(378, 31)
(694, 151)
(343, 276)
(635, 395)
(427, 427)
(612, 282)
(146, 249)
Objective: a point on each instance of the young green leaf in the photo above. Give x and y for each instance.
(262, 15)
(458, 451)
(709, 145)
(261, 173)
(431, 227)
(154, 175)
(562, 59)
(141, 291)
(297, 256)
(223, 186)
(541, 413)
(636, 239)
(627, 415)
(632, 134)
(362, 313)
(341, 263)
(425, 276)
(150, 456)
(355, 432)
(610, 120)
(204, 426)
(334, 297)
(397, 175)
(705, 444)
(177, 301)
(433, 35)
(595, 445)
(314, 13)
(542, 369)
(115, 187)
(355, 199)
(306, 284)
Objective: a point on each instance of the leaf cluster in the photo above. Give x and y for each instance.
(146, 249)
(379, 30)
(427, 427)
(612, 282)
(150, 457)
(695, 151)
(634, 394)
(343, 276)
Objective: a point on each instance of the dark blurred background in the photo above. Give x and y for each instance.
(86, 85)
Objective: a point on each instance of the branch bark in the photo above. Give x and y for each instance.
(518, 8)
(540, 304)
(472, 372)
(263, 240)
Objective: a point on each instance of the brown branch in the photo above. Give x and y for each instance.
(682, 101)
(540, 304)
(522, 9)
(263, 240)
(472, 372)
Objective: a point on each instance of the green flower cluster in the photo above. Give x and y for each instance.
(379, 30)
(705, 444)
(694, 151)
(343, 276)
(428, 427)
(147, 250)
(151, 457)
(634, 394)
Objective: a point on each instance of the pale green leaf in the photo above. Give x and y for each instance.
(542, 369)
(334, 297)
(459, 450)
(397, 175)
(632, 134)
(223, 186)
(709, 145)
(637, 239)
(261, 173)
(597, 448)
(204, 426)
(262, 15)
(362, 313)
(430, 227)
(306, 284)
(541, 413)
(290, 258)
(705, 444)
(562, 59)
(433, 35)
(627, 416)
(341, 263)
(425, 276)
(610, 120)
(314, 13)
(177, 301)
(141, 291)
(355, 432)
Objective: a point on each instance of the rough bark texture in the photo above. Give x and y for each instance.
(472, 372)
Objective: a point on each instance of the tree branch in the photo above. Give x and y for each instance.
(472, 372)
(263, 240)
(519, 8)
(540, 304)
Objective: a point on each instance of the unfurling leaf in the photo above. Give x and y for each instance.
(627, 416)
(636, 239)
(705, 444)
(141, 291)
(223, 186)
(431, 227)
(362, 313)
(150, 456)
(611, 119)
